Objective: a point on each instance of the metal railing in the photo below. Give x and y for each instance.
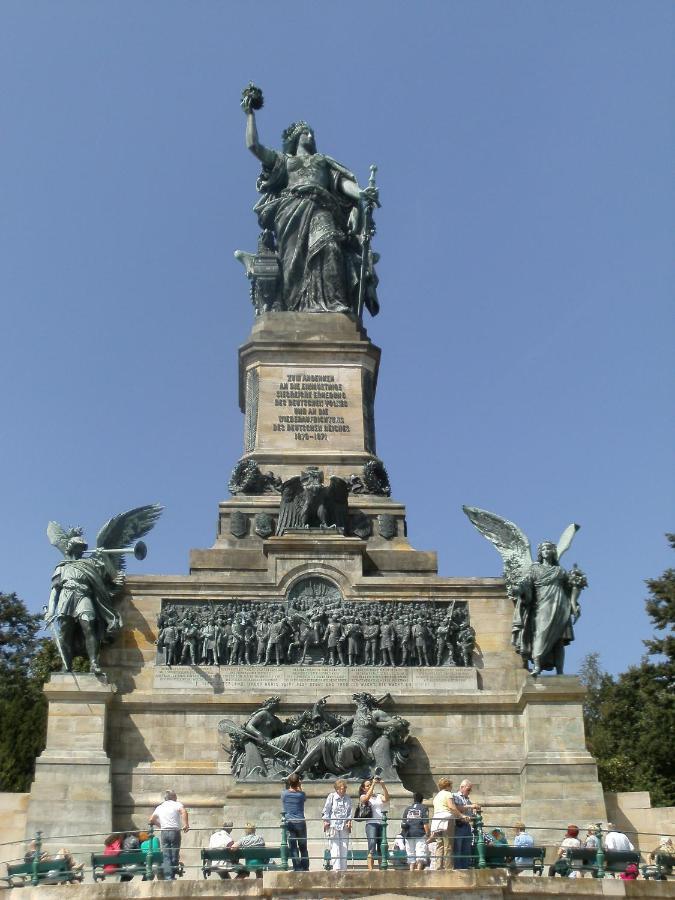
(290, 846)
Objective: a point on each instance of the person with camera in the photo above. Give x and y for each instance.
(293, 807)
(372, 804)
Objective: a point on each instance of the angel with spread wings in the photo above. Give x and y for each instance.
(546, 596)
(81, 605)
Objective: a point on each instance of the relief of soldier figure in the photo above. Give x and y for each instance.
(310, 630)
(318, 743)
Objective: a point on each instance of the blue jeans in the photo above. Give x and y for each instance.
(462, 845)
(374, 835)
(297, 845)
(170, 842)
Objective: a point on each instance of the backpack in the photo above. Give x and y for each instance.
(412, 814)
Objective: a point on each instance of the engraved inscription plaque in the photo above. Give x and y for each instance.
(244, 679)
(317, 408)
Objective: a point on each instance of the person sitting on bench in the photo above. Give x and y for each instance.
(561, 866)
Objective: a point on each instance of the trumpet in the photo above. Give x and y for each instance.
(139, 550)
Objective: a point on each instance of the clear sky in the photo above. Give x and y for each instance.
(525, 154)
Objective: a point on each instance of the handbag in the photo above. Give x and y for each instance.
(364, 811)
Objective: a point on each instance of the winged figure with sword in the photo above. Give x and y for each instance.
(82, 610)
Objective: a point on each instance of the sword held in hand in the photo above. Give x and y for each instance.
(228, 727)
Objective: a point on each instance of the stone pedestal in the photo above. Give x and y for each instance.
(519, 740)
(559, 779)
(307, 387)
(71, 794)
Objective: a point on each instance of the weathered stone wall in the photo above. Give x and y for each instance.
(633, 812)
(13, 808)
(519, 740)
(392, 885)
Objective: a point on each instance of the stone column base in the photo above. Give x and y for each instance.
(71, 794)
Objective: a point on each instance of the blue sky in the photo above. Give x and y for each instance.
(525, 166)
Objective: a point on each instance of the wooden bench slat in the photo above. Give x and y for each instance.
(615, 860)
(126, 862)
(253, 858)
(498, 855)
(47, 869)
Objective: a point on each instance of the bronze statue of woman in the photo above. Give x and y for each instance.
(315, 209)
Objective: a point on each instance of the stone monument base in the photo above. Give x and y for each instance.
(307, 388)
(71, 795)
(389, 885)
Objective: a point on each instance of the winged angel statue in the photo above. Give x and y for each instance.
(81, 605)
(546, 596)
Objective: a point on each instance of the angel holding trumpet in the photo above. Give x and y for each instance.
(546, 596)
(81, 609)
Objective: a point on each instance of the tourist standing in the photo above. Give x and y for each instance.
(337, 824)
(463, 833)
(293, 807)
(377, 803)
(415, 830)
(446, 814)
(172, 818)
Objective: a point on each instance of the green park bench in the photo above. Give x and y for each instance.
(660, 868)
(395, 858)
(126, 862)
(251, 859)
(47, 871)
(499, 856)
(587, 861)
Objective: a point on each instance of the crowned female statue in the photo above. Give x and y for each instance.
(320, 219)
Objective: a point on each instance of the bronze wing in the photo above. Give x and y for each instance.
(337, 493)
(126, 527)
(290, 508)
(510, 541)
(58, 536)
(566, 539)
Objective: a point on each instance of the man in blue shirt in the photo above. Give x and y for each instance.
(293, 807)
(522, 839)
(462, 850)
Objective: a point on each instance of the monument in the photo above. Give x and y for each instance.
(312, 636)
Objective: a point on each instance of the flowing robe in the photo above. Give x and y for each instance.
(258, 758)
(83, 585)
(543, 615)
(303, 205)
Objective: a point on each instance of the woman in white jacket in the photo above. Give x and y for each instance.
(337, 824)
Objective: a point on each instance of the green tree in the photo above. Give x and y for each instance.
(630, 719)
(26, 661)
(18, 636)
(661, 610)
